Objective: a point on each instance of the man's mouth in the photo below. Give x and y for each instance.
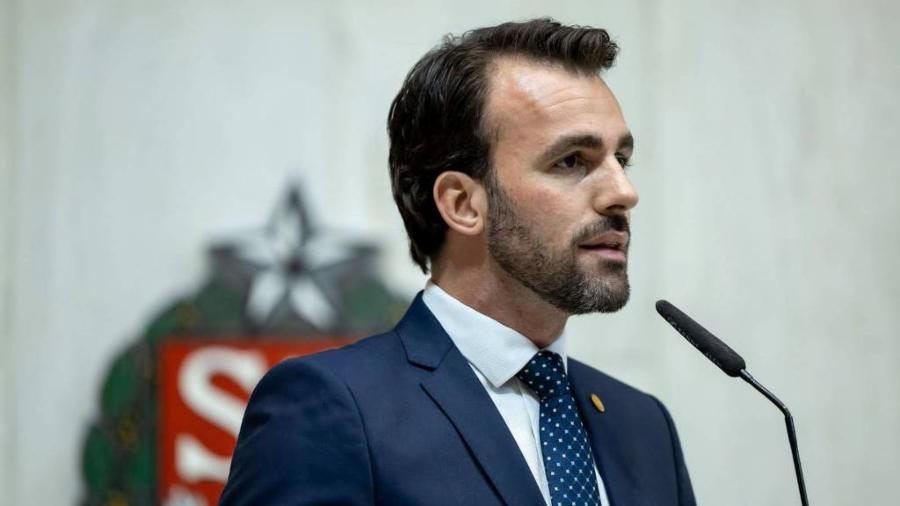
(611, 245)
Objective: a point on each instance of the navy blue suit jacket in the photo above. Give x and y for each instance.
(400, 418)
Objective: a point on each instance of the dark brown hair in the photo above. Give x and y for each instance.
(435, 121)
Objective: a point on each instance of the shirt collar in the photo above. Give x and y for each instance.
(495, 350)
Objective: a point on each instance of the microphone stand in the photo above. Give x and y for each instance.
(789, 422)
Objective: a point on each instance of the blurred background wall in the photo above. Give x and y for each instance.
(132, 133)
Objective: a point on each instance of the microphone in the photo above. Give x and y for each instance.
(733, 365)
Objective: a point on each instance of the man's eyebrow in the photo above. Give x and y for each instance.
(626, 142)
(589, 141)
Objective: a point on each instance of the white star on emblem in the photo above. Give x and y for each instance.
(288, 253)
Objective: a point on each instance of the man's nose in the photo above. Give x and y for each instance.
(614, 193)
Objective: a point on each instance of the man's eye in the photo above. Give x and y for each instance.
(623, 161)
(570, 162)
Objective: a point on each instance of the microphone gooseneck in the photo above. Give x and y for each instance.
(733, 365)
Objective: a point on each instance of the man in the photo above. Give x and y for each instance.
(507, 161)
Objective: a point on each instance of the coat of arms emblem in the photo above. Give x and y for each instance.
(171, 404)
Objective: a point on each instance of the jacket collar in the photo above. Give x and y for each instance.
(425, 341)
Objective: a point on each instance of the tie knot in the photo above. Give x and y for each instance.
(545, 375)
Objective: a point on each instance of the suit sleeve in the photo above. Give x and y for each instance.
(685, 490)
(302, 442)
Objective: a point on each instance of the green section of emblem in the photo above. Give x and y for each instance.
(119, 456)
(120, 388)
(99, 461)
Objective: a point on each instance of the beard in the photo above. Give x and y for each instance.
(554, 276)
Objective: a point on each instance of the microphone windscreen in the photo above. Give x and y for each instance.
(727, 359)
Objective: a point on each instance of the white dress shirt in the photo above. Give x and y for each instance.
(496, 354)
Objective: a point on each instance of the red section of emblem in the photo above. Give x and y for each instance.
(204, 388)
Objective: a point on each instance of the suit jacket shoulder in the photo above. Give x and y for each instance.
(301, 427)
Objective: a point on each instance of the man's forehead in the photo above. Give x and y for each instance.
(529, 78)
(523, 89)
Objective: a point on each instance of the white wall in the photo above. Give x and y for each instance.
(133, 132)
(7, 102)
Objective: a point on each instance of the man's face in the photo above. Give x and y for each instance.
(558, 195)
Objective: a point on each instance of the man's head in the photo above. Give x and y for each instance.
(519, 114)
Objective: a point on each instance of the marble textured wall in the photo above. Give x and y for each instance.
(6, 192)
(133, 132)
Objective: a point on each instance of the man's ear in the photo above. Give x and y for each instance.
(461, 201)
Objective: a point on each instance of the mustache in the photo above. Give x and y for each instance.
(616, 223)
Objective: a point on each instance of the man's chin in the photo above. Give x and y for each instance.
(610, 294)
(614, 303)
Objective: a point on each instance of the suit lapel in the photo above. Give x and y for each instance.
(606, 440)
(466, 403)
(463, 399)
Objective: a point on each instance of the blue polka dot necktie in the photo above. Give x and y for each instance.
(565, 448)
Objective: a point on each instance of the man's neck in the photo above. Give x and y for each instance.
(497, 295)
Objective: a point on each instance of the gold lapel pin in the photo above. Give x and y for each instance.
(598, 403)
